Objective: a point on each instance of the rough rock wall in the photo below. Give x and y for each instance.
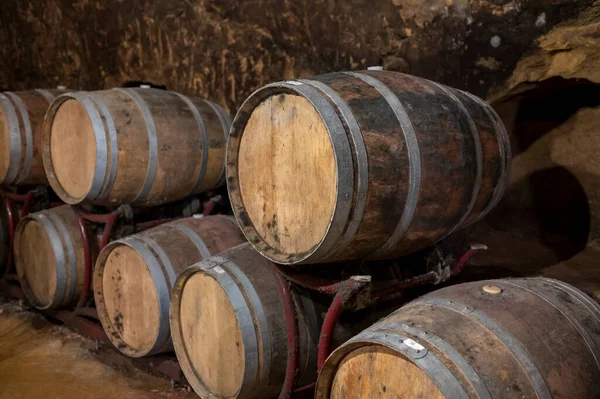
(223, 50)
(514, 52)
(551, 106)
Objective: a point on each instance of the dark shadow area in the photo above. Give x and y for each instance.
(544, 219)
(138, 83)
(550, 206)
(547, 106)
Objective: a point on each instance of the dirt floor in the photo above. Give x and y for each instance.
(41, 360)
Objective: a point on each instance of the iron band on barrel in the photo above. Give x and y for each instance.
(414, 156)
(448, 350)
(245, 321)
(362, 179)
(70, 260)
(114, 149)
(152, 142)
(28, 135)
(203, 139)
(478, 156)
(15, 138)
(510, 342)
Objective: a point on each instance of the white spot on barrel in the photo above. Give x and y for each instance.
(61, 87)
(145, 86)
(375, 68)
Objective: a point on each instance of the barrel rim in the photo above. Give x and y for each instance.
(181, 350)
(345, 180)
(374, 337)
(14, 134)
(20, 268)
(99, 134)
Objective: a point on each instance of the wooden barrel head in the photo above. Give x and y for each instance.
(375, 371)
(287, 173)
(73, 149)
(130, 300)
(212, 336)
(4, 145)
(36, 264)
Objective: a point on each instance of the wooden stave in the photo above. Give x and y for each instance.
(25, 114)
(62, 228)
(107, 138)
(334, 245)
(467, 382)
(163, 273)
(256, 385)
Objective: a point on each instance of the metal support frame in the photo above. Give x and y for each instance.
(344, 294)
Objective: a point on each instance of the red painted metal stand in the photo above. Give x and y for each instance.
(343, 293)
(109, 220)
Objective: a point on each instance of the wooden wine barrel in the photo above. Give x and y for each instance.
(49, 257)
(136, 146)
(514, 338)
(134, 276)
(229, 329)
(362, 164)
(21, 122)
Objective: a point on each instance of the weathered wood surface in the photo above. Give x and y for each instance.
(390, 164)
(21, 127)
(134, 275)
(49, 257)
(513, 338)
(138, 146)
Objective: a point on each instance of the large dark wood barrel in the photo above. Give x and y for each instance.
(137, 146)
(514, 338)
(21, 121)
(49, 257)
(361, 164)
(229, 329)
(134, 276)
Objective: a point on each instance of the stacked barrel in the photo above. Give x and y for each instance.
(342, 167)
(323, 174)
(21, 165)
(138, 147)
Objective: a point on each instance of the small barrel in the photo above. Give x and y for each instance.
(21, 122)
(229, 327)
(134, 276)
(354, 165)
(513, 338)
(50, 257)
(133, 146)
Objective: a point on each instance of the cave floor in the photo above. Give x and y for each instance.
(41, 360)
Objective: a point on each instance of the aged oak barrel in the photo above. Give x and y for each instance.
(134, 275)
(21, 122)
(513, 338)
(370, 164)
(229, 329)
(136, 146)
(49, 257)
